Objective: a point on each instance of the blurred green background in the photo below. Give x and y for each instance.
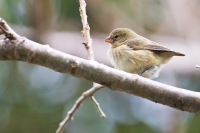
(35, 99)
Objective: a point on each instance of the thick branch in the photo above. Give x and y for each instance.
(29, 51)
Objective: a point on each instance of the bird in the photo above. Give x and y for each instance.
(136, 54)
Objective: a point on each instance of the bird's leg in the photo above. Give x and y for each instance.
(145, 69)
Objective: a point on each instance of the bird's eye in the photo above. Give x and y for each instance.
(116, 37)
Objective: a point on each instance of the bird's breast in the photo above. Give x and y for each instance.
(124, 59)
(134, 61)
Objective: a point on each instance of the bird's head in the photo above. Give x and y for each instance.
(119, 36)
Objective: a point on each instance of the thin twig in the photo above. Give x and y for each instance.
(7, 31)
(86, 30)
(96, 87)
(76, 105)
(90, 55)
(98, 107)
(88, 45)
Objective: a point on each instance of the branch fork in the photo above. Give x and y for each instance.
(89, 93)
(7, 31)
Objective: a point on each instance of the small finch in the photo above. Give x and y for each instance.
(133, 53)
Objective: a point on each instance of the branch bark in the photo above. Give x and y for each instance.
(86, 30)
(77, 104)
(35, 53)
(90, 54)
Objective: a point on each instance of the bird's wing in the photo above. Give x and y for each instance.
(139, 44)
(156, 47)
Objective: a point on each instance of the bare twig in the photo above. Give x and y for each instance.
(86, 30)
(76, 105)
(7, 31)
(90, 54)
(88, 45)
(98, 107)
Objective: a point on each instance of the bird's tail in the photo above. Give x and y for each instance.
(178, 54)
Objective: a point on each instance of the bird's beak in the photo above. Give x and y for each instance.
(109, 40)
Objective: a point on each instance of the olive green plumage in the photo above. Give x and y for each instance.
(133, 53)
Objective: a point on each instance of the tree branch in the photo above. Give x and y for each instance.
(77, 104)
(88, 46)
(86, 30)
(90, 54)
(43, 55)
(7, 31)
(26, 50)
